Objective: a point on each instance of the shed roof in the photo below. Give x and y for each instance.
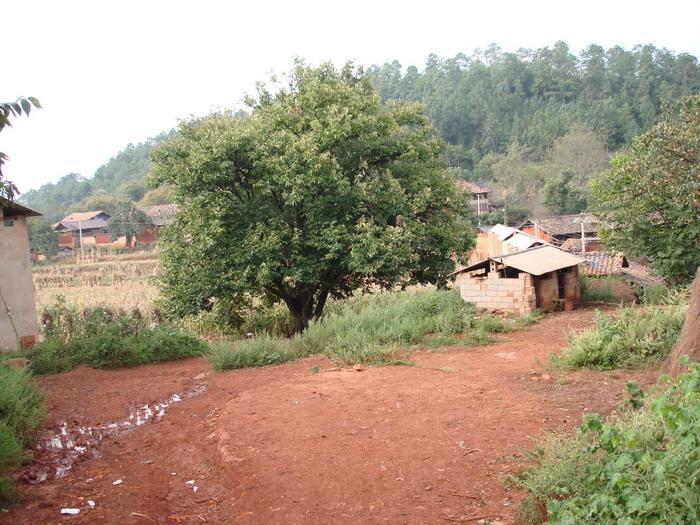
(536, 261)
(465, 185)
(565, 224)
(15, 208)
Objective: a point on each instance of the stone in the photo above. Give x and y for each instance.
(17, 362)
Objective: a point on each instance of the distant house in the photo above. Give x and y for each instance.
(542, 277)
(88, 228)
(18, 326)
(479, 196)
(160, 216)
(557, 229)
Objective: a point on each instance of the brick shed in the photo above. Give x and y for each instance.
(543, 277)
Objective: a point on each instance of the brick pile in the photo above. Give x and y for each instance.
(497, 293)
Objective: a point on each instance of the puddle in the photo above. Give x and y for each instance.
(61, 448)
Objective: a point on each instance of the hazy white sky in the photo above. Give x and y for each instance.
(113, 72)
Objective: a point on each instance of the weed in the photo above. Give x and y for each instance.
(633, 338)
(21, 412)
(102, 338)
(637, 467)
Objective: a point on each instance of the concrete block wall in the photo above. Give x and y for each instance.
(497, 293)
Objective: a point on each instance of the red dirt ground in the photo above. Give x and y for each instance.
(285, 445)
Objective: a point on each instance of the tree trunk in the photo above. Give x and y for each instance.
(689, 340)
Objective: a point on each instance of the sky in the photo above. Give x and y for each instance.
(109, 73)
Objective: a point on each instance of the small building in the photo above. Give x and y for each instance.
(479, 196)
(88, 227)
(160, 216)
(501, 240)
(557, 229)
(543, 277)
(18, 324)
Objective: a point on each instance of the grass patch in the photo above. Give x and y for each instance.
(102, 338)
(373, 329)
(640, 466)
(633, 338)
(596, 290)
(21, 412)
(260, 351)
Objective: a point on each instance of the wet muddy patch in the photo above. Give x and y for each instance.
(57, 452)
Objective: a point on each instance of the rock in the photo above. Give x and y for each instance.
(358, 367)
(535, 379)
(546, 377)
(17, 362)
(200, 377)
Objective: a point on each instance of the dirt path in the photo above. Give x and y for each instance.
(282, 444)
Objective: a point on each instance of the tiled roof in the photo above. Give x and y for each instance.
(565, 224)
(471, 187)
(81, 216)
(161, 214)
(604, 263)
(85, 225)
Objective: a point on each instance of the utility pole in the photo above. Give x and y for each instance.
(80, 229)
(583, 239)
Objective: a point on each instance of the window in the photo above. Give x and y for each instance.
(9, 222)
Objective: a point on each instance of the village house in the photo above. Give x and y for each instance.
(479, 196)
(159, 216)
(543, 277)
(557, 229)
(87, 228)
(18, 325)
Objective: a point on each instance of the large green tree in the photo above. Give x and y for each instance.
(318, 192)
(651, 195)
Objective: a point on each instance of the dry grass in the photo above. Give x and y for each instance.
(126, 283)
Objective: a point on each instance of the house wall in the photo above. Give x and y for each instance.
(147, 234)
(16, 287)
(547, 289)
(540, 233)
(497, 293)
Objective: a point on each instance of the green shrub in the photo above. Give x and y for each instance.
(260, 351)
(633, 338)
(640, 467)
(101, 338)
(372, 329)
(21, 411)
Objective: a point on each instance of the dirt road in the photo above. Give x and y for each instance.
(287, 444)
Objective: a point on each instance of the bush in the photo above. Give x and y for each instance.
(634, 338)
(21, 412)
(640, 467)
(101, 338)
(372, 329)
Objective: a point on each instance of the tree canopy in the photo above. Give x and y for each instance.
(651, 195)
(22, 106)
(317, 192)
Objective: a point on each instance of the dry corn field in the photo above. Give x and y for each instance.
(117, 284)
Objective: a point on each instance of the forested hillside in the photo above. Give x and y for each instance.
(485, 101)
(533, 125)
